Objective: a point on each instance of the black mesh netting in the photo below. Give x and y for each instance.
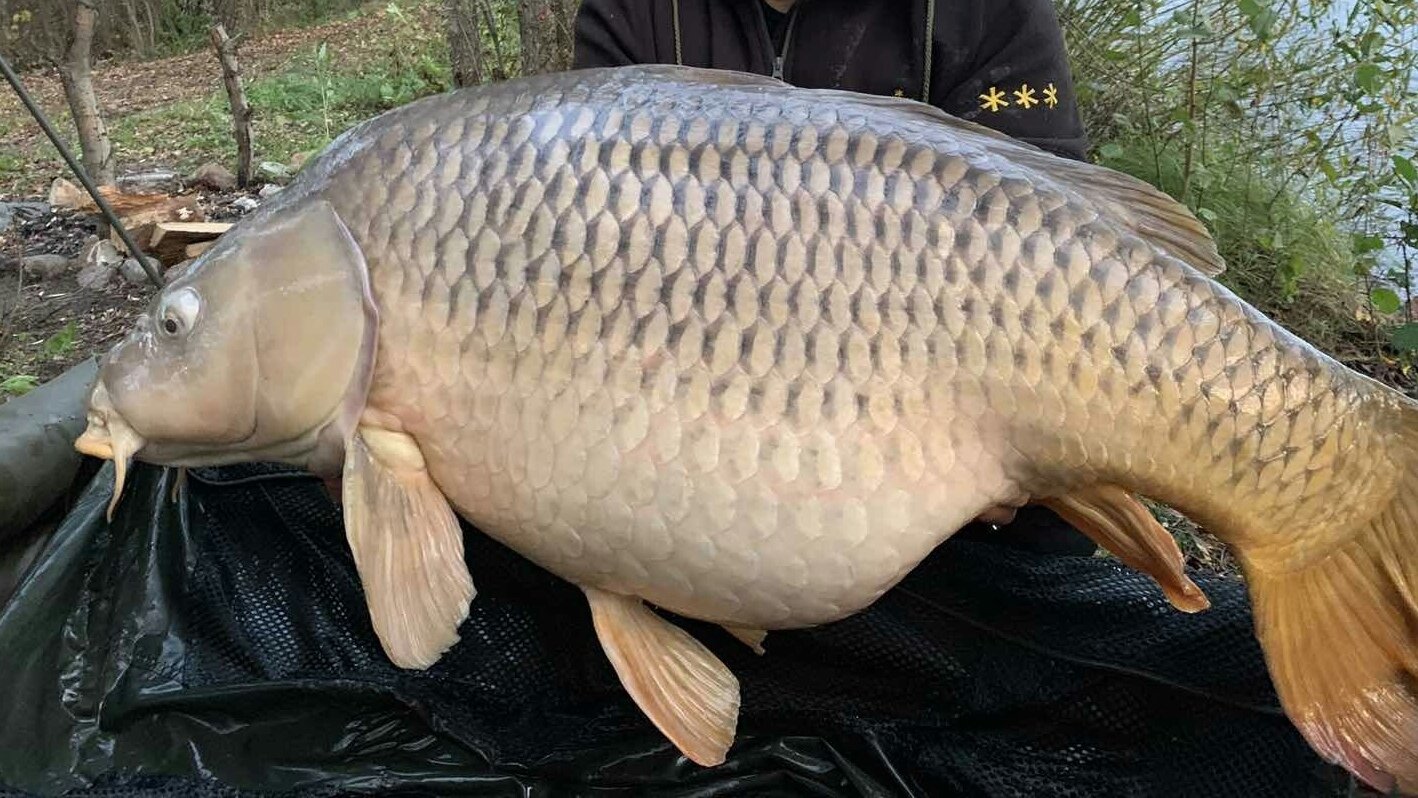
(221, 644)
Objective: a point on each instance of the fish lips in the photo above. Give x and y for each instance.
(109, 437)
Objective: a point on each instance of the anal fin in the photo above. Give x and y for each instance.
(407, 546)
(690, 696)
(1117, 521)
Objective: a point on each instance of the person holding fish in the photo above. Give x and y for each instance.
(1000, 64)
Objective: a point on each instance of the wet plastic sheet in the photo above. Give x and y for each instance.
(221, 645)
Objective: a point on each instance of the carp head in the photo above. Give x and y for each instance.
(262, 351)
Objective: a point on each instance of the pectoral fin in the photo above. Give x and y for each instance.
(407, 546)
(685, 690)
(1117, 521)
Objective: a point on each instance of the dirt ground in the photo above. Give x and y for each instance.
(131, 87)
(125, 87)
(46, 326)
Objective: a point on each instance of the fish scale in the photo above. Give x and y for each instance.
(749, 353)
(705, 283)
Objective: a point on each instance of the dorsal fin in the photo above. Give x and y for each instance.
(1147, 211)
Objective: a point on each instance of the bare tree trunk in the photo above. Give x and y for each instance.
(499, 69)
(236, 97)
(78, 78)
(136, 38)
(151, 14)
(546, 27)
(465, 43)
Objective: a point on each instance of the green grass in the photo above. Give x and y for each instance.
(27, 356)
(18, 385)
(12, 167)
(319, 93)
(299, 110)
(318, 100)
(199, 128)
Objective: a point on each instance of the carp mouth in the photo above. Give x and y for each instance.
(109, 437)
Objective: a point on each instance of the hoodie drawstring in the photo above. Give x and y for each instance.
(679, 45)
(930, 40)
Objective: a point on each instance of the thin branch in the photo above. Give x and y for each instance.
(1191, 106)
(499, 71)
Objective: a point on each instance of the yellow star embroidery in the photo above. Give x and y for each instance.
(994, 101)
(1025, 97)
(1051, 96)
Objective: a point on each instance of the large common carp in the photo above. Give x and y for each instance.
(748, 353)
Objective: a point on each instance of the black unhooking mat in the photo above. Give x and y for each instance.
(220, 645)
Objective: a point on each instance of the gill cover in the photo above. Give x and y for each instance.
(263, 351)
(316, 334)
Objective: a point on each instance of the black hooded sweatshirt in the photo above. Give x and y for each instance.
(1000, 63)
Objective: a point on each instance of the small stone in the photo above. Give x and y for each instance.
(269, 190)
(214, 176)
(86, 252)
(97, 249)
(96, 275)
(297, 161)
(64, 194)
(133, 272)
(45, 267)
(101, 259)
(245, 204)
(273, 171)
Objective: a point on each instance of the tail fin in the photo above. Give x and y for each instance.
(1341, 641)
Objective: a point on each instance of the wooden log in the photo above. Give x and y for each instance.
(169, 240)
(195, 250)
(180, 209)
(126, 204)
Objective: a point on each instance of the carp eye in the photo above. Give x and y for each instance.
(178, 312)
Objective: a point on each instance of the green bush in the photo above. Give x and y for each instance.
(1283, 253)
(1287, 126)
